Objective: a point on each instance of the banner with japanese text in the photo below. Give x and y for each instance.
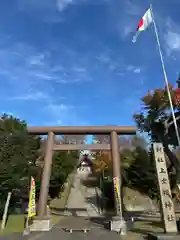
(32, 199)
(116, 184)
(117, 193)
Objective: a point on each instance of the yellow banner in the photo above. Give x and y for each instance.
(116, 183)
(32, 199)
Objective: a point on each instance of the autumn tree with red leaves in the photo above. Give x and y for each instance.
(156, 120)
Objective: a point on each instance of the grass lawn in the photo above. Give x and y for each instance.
(15, 223)
(147, 226)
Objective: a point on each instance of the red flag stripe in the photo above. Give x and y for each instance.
(141, 22)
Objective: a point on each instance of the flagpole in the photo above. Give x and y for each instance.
(165, 76)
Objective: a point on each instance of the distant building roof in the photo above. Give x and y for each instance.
(86, 160)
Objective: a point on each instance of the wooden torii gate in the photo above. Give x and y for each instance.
(113, 131)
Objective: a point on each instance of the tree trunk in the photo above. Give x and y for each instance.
(172, 157)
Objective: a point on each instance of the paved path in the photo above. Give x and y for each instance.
(82, 200)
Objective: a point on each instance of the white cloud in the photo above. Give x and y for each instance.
(37, 60)
(75, 80)
(35, 96)
(133, 8)
(127, 30)
(116, 66)
(63, 4)
(63, 114)
(126, 27)
(35, 79)
(113, 66)
(104, 58)
(34, 69)
(171, 36)
(137, 70)
(58, 113)
(131, 68)
(109, 61)
(127, 21)
(173, 41)
(57, 108)
(42, 75)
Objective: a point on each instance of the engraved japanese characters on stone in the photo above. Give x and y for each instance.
(166, 192)
(160, 159)
(171, 218)
(167, 206)
(164, 180)
(162, 170)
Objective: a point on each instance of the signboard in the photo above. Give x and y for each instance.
(167, 206)
(32, 199)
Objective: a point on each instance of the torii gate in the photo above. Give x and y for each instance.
(113, 131)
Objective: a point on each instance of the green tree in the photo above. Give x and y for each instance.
(18, 155)
(63, 165)
(141, 173)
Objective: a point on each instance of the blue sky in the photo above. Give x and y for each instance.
(72, 62)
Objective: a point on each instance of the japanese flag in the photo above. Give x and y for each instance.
(144, 23)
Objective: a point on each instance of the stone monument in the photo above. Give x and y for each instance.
(166, 204)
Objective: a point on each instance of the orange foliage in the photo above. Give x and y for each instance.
(103, 161)
(159, 97)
